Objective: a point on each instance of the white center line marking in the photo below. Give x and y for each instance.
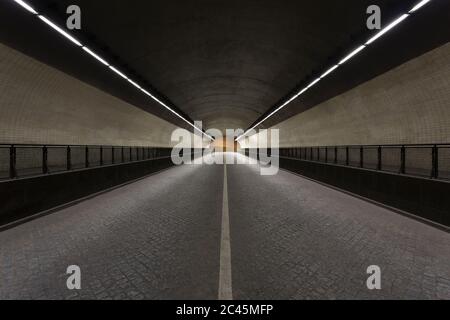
(225, 288)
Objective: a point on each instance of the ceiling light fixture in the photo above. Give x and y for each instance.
(313, 83)
(134, 83)
(348, 57)
(97, 57)
(61, 31)
(26, 6)
(329, 71)
(419, 5)
(175, 113)
(352, 54)
(389, 27)
(118, 72)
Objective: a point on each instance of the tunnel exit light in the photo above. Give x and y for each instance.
(55, 27)
(348, 57)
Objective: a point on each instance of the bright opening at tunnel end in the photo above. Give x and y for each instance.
(262, 149)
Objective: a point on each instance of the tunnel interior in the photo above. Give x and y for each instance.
(170, 142)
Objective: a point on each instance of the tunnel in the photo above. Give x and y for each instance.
(256, 150)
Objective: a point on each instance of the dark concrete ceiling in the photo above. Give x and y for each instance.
(224, 62)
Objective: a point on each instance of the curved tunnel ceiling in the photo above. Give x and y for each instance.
(234, 50)
(226, 63)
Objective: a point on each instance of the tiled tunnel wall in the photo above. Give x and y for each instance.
(41, 105)
(407, 105)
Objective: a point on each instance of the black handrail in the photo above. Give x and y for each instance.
(94, 156)
(430, 164)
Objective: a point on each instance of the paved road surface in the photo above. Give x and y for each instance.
(160, 238)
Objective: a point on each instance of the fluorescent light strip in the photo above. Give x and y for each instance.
(174, 112)
(386, 29)
(351, 55)
(419, 5)
(280, 107)
(329, 71)
(157, 100)
(26, 6)
(95, 56)
(61, 31)
(313, 83)
(118, 72)
(304, 89)
(290, 100)
(134, 84)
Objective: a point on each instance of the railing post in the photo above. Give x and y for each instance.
(44, 160)
(402, 160)
(435, 162)
(326, 154)
(361, 157)
(12, 162)
(123, 155)
(335, 155)
(101, 155)
(379, 158)
(68, 158)
(131, 154)
(86, 157)
(347, 161)
(112, 155)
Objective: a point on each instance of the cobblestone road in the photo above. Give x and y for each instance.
(159, 238)
(292, 238)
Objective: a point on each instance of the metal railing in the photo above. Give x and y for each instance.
(423, 160)
(25, 160)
